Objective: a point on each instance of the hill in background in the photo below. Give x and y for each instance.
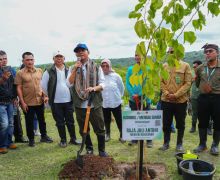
(125, 62)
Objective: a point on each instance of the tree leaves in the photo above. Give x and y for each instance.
(189, 37)
(214, 8)
(140, 29)
(155, 37)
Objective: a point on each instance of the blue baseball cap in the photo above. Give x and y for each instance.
(80, 46)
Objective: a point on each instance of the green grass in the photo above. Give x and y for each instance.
(44, 161)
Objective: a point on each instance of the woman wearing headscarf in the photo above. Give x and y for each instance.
(112, 94)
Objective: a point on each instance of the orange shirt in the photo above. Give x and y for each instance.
(31, 88)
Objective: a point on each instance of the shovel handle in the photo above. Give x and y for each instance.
(86, 119)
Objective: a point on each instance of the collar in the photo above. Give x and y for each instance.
(218, 64)
(29, 70)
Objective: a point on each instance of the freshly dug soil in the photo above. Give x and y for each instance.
(97, 168)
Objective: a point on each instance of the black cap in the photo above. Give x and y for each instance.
(212, 46)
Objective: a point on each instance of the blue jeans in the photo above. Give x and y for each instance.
(6, 125)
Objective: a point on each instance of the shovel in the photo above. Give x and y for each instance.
(79, 159)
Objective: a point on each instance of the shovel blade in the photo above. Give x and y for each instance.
(79, 161)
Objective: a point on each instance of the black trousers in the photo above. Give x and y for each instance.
(18, 132)
(170, 110)
(63, 115)
(209, 106)
(117, 115)
(97, 121)
(29, 120)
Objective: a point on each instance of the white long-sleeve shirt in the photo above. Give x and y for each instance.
(114, 90)
(101, 80)
(62, 93)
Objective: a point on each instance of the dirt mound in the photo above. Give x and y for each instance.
(96, 168)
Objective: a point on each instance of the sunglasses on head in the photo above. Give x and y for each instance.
(208, 51)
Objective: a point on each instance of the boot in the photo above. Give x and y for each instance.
(216, 138)
(62, 132)
(101, 146)
(179, 143)
(202, 144)
(166, 141)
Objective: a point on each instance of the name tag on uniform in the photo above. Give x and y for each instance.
(178, 81)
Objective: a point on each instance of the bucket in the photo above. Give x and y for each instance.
(179, 158)
(194, 169)
(183, 156)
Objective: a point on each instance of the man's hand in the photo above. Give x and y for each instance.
(15, 102)
(77, 65)
(24, 107)
(6, 75)
(45, 99)
(90, 89)
(171, 97)
(207, 88)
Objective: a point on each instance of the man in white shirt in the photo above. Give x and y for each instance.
(60, 99)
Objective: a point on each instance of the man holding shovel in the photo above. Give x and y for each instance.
(85, 77)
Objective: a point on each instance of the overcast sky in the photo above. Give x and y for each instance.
(44, 26)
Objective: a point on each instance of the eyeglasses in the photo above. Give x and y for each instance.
(208, 51)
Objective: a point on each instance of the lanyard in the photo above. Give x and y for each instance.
(209, 74)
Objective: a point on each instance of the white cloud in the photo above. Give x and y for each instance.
(44, 26)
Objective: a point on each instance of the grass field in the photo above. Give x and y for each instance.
(44, 161)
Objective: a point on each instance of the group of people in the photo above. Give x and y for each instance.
(204, 98)
(68, 89)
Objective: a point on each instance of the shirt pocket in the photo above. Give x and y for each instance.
(179, 77)
(216, 79)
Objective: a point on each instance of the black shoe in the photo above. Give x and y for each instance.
(75, 142)
(46, 139)
(21, 140)
(200, 148)
(192, 130)
(89, 151)
(214, 150)
(179, 148)
(63, 144)
(31, 143)
(103, 154)
(149, 143)
(164, 147)
(107, 138)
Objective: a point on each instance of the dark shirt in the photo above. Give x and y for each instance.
(8, 88)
